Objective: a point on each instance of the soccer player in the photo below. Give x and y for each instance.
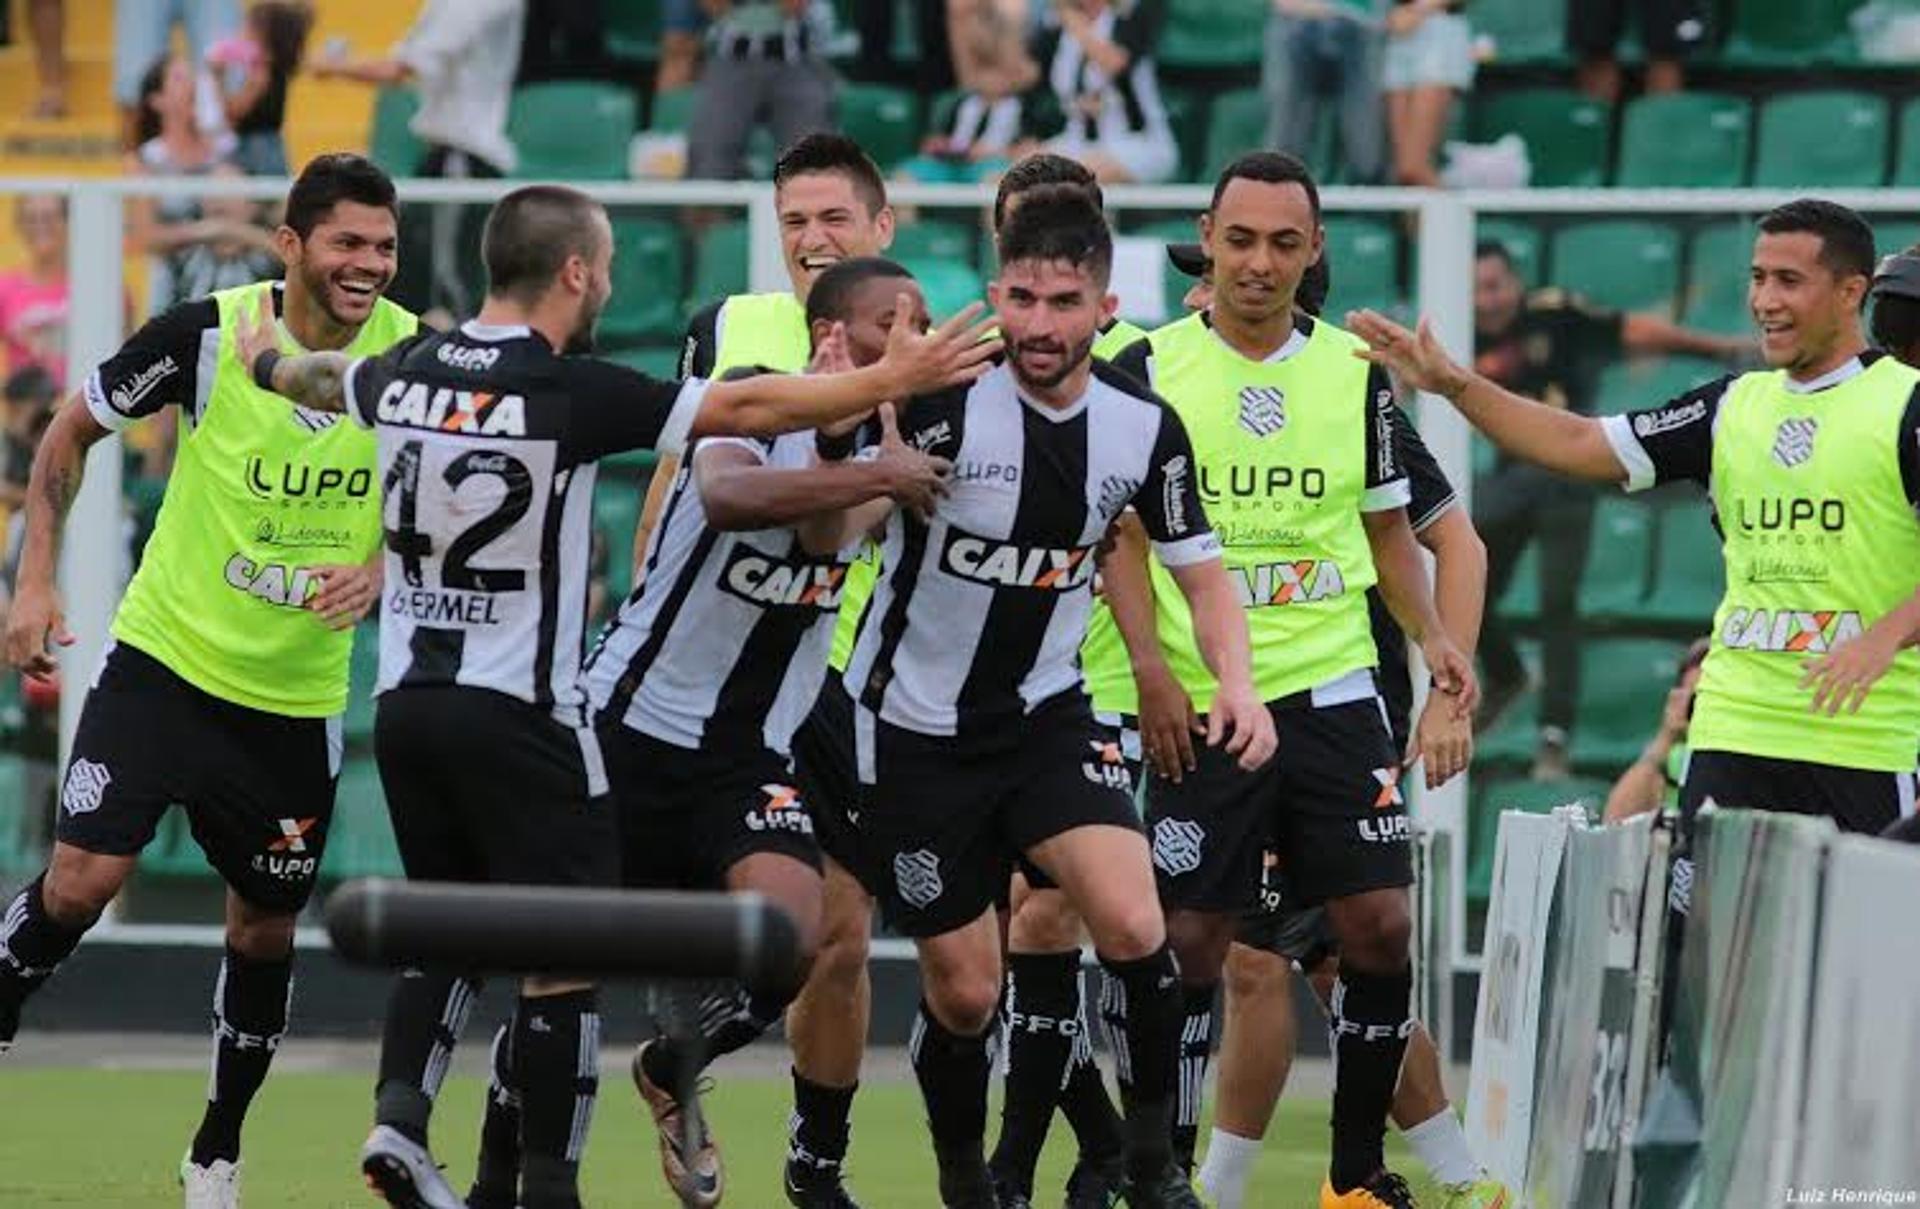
(1256, 1045)
(710, 667)
(1295, 455)
(232, 641)
(1813, 467)
(974, 740)
(489, 439)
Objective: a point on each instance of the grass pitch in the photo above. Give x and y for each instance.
(108, 1138)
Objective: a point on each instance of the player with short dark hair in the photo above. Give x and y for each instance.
(489, 443)
(974, 740)
(1896, 305)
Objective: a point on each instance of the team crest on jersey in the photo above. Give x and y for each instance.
(417, 405)
(1793, 442)
(87, 782)
(1263, 410)
(916, 875)
(767, 582)
(1177, 845)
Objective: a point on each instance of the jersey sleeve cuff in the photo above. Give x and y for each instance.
(673, 434)
(1201, 547)
(1387, 496)
(1426, 519)
(757, 448)
(1632, 454)
(100, 407)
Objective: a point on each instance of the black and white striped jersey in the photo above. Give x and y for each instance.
(488, 450)
(979, 615)
(724, 644)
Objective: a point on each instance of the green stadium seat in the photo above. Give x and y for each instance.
(1213, 33)
(1187, 114)
(633, 28)
(1630, 264)
(391, 144)
(1522, 31)
(883, 119)
(1642, 382)
(720, 263)
(671, 111)
(1906, 155)
(946, 285)
(1619, 560)
(1567, 133)
(1689, 570)
(1521, 600)
(1513, 739)
(363, 672)
(18, 854)
(1793, 33)
(658, 360)
(1236, 124)
(1830, 140)
(1718, 262)
(1892, 234)
(1523, 243)
(1623, 683)
(573, 129)
(1492, 798)
(616, 513)
(648, 272)
(1684, 139)
(1364, 253)
(934, 239)
(361, 843)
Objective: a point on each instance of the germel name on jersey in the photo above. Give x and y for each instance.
(430, 606)
(445, 409)
(1001, 564)
(773, 583)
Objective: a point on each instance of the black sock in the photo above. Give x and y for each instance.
(556, 1069)
(426, 1014)
(1371, 1024)
(728, 1019)
(1089, 1109)
(32, 944)
(817, 1135)
(952, 1071)
(498, 1173)
(249, 1017)
(1196, 1047)
(1145, 995)
(1041, 1017)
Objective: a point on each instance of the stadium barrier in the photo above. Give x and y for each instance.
(1790, 1057)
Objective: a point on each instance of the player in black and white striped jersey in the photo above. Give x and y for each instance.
(717, 657)
(488, 437)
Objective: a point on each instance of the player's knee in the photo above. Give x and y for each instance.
(842, 956)
(1200, 940)
(75, 890)
(1376, 930)
(1255, 976)
(1044, 923)
(965, 1001)
(260, 936)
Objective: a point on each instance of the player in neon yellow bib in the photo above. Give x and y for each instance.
(225, 684)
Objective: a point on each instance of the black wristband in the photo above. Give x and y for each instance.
(262, 368)
(834, 448)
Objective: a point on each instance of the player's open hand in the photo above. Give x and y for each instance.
(1241, 721)
(35, 624)
(1167, 722)
(915, 480)
(347, 593)
(1841, 678)
(1442, 740)
(254, 332)
(958, 351)
(1415, 357)
(1452, 674)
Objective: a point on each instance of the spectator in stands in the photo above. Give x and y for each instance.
(565, 39)
(765, 66)
(143, 34)
(462, 56)
(1327, 50)
(30, 395)
(1097, 56)
(998, 107)
(47, 26)
(876, 24)
(1550, 346)
(239, 248)
(174, 142)
(1671, 30)
(254, 70)
(33, 297)
(1653, 781)
(1428, 59)
(683, 23)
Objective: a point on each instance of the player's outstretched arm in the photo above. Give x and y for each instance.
(1238, 716)
(1570, 444)
(37, 616)
(956, 352)
(1409, 597)
(316, 380)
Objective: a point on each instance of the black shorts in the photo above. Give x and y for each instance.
(946, 817)
(484, 787)
(1121, 729)
(687, 816)
(1282, 927)
(1328, 805)
(1856, 799)
(830, 784)
(257, 787)
(1669, 29)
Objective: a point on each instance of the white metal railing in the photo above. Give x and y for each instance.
(1444, 260)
